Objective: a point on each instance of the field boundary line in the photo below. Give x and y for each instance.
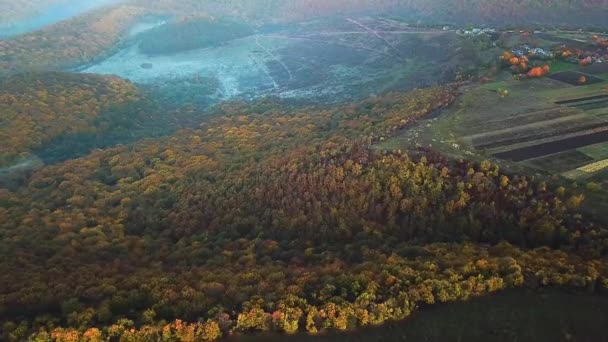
(594, 167)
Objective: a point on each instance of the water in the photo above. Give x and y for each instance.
(52, 15)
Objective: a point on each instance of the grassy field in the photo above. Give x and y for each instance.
(597, 151)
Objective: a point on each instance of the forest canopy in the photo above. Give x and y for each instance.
(35, 108)
(271, 217)
(140, 216)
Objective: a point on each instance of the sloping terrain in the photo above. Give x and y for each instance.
(39, 108)
(555, 126)
(330, 60)
(363, 171)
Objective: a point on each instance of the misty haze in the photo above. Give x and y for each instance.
(303, 170)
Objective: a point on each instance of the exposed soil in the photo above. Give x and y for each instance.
(552, 147)
(541, 133)
(574, 78)
(582, 99)
(561, 162)
(528, 118)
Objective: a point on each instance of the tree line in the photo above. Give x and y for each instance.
(273, 217)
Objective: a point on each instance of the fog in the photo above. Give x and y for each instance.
(291, 49)
(18, 17)
(29, 16)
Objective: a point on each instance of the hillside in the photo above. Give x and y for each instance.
(82, 39)
(68, 43)
(180, 170)
(279, 218)
(473, 11)
(39, 108)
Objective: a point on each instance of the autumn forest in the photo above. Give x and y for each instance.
(128, 217)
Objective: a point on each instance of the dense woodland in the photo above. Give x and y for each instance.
(276, 218)
(262, 216)
(43, 107)
(68, 43)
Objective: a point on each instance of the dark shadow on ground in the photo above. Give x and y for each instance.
(514, 315)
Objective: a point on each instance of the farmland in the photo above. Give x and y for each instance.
(551, 126)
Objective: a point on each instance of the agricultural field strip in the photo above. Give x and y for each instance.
(565, 93)
(545, 140)
(554, 146)
(512, 113)
(570, 101)
(527, 118)
(544, 132)
(597, 151)
(587, 171)
(577, 93)
(575, 174)
(558, 37)
(591, 99)
(561, 162)
(601, 113)
(600, 70)
(519, 137)
(572, 77)
(497, 135)
(594, 167)
(593, 106)
(588, 102)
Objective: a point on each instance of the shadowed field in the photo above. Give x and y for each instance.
(550, 316)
